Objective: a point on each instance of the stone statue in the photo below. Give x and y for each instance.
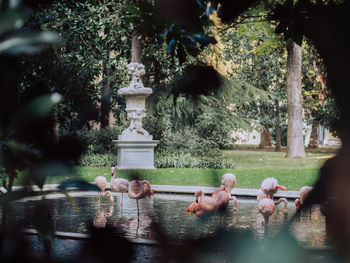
(135, 127)
(136, 70)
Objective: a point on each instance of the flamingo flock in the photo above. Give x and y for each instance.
(204, 206)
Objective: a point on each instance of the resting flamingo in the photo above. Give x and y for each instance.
(267, 207)
(138, 189)
(270, 187)
(101, 183)
(303, 192)
(119, 185)
(206, 205)
(229, 181)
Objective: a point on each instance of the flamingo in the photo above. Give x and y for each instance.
(100, 219)
(303, 192)
(221, 198)
(138, 189)
(229, 181)
(284, 200)
(101, 183)
(270, 187)
(119, 185)
(204, 207)
(260, 195)
(267, 207)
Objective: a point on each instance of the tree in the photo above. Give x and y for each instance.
(255, 55)
(93, 48)
(318, 102)
(295, 139)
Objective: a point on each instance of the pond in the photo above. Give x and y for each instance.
(168, 210)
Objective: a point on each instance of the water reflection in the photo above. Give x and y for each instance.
(169, 211)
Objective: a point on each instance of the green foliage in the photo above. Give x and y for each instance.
(98, 160)
(186, 160)
(318, 101)
(99, 141)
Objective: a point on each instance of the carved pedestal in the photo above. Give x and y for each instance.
(135, 144)
(136, 154)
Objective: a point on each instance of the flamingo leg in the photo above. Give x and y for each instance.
(138, 212)
(121, 204)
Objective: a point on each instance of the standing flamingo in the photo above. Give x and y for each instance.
(229, 181)
(267, 207)
(303, 192)
(204, 207)
(119, 185)
(139, 189)
(270, 187)
(101, 183)
(221, 198)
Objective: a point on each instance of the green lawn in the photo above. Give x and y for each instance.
(251, 168)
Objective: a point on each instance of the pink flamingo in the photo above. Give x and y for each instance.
(267, 207)
(206, 205)
(138, 189)
(229, 181)
(221, 198)
(303, 192)
(270, 187)
(101, 182)
(119, 185)
(100, 220)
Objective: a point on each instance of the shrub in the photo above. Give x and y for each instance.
(186, 160)
(99, 141)
(107, 160)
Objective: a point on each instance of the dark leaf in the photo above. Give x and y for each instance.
(133, 10)
(16, 195)
(230, 10)
(27, 42)
(181, 53)
(209, 10)
(43, 223)
(204, 39)
(78, 183)
(281, 27)
(171, 46)
(197, 80)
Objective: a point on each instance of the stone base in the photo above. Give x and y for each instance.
(135, 154)
(135, 138)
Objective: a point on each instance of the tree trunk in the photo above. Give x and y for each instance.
(278, 127)
(313, 143)
(265, 138)
(135, 48)
(295, 139)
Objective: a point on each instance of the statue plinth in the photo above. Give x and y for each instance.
(135, 144)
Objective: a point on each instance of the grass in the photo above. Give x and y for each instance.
(251, 168)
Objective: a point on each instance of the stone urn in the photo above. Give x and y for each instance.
(135, 144)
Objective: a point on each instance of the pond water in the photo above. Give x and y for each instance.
(169, 210)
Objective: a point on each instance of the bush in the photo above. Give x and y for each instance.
(99, 141)
(187, 140)
(186, 160)
(96, 160)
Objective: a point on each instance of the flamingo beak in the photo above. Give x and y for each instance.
(281, 188)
